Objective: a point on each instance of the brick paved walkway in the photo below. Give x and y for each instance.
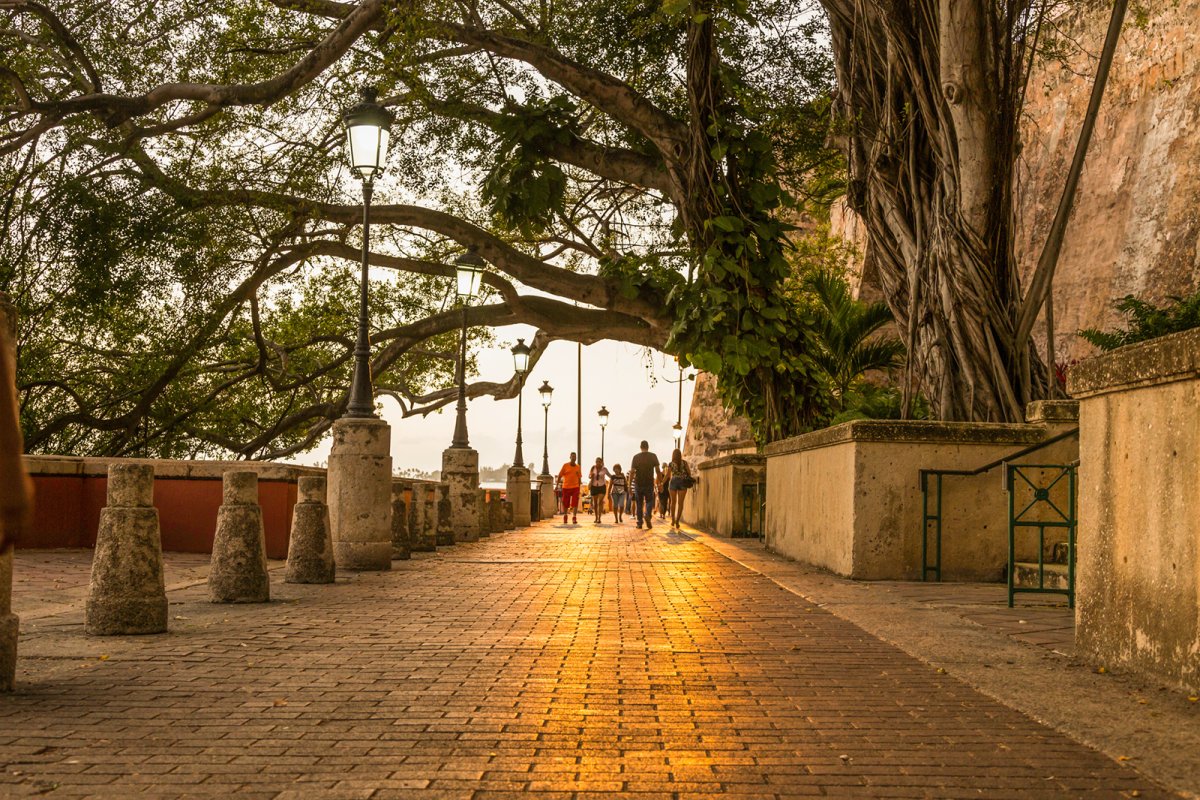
(553, 662)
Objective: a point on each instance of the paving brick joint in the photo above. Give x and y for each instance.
(551, 662)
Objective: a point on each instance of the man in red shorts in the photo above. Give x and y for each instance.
(569, 477)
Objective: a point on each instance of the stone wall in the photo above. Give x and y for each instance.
(710, 427)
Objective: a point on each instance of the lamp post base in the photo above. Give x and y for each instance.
(520, 496)
(360, 494)
(460, 470)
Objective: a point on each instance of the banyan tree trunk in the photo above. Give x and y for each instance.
(930, 92)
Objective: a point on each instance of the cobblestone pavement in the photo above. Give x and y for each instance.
(557, 661)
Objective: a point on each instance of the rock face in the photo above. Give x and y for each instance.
(239, 557)
(310, 548)
(127, 594)
(710, 427)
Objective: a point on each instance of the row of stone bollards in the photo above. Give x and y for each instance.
(127, 594)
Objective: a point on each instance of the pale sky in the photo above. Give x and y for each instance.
(615, 374)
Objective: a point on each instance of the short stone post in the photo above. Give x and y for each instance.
(360, 493)
(238, 573)
(127, 595)
(481, 504)
(9, 623)
(495, 513)
(428, 538)
(507, 515)
(401, 546)
(310, 548)
(460, 471)
(518, 495)
(546, 502)
(416, 516)
(445, 529)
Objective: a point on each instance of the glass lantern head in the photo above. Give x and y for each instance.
(468, 272)
(603, 414)
(546, 391)
(367, 130)
(520, 353)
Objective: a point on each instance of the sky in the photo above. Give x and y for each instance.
(639, 388)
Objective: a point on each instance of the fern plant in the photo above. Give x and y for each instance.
(1148, 321)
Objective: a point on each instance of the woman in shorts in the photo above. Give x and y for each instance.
(598, 477)
(618, 487)
(678, 478)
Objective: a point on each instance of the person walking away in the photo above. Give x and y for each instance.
(569, 478)
(598, 477)
(646, 471)
(679, 479)
(618, 487)
(664, 495)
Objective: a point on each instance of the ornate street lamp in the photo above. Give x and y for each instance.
(603, 414)
(468, 274)
(520, 353)
(678, 428)
(546, 391)
(367, 127)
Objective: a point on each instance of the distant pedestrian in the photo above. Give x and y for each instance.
(664, 496)
(618, 488)
(569, 478)
(678, 477)
(646, 472)
(598, 487)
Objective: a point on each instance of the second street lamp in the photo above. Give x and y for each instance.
(678, 434)
(468, 274)
(520, 353)
(367, 127)
(546, 391)
(603, 414)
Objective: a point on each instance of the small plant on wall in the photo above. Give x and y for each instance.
(1148, 321)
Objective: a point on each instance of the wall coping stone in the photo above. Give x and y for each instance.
(734, 459)
(933, 432)
(1052, 411)
(1167, 359)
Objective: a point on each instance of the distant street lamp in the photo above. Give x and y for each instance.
(603, 414)
(468, 273)
(367, 127)
(546, 391)
(520, 353)
(678, 428)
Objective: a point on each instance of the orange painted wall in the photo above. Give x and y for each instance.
(67, 512)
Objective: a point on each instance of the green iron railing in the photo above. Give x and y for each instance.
(1040, 485)
(754, 510)
(934, 517)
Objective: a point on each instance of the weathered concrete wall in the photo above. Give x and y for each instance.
(848, 498)
(1138, 579)
(715, 503)
(1136, 225)
(710, 427)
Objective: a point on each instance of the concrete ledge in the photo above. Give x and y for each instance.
(735, 459)
(167, 468)
(1152, 363)
(879, 430)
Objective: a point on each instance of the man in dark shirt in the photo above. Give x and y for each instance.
(645, 471)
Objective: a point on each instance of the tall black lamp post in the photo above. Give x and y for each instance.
(603, 414)
(520, 353)
(367, 127)
(468, 273)
(546, 391)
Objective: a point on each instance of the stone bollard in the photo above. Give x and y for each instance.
(445, 527)
(495, 513)
(519, 496)
(428, 537)
(481, 507)
(508, 515)
(127, 595)
(310, 548)
(416, 516)
(546, 500)
(239, 558)
(460, 471)
(360, 493)
(401, 546)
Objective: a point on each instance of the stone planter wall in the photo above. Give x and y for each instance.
(848, 498)
(1138, 579)
(715, 503)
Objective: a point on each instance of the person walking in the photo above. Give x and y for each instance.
(664, 495)
(569, 478)
(646, 472)
(618, 488)
(598, 477)
(678, 478)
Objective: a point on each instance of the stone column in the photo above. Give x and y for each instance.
(495, 512)
(310, 548)
(127, 595)
(9, 623)
(445, 529)
(401, 544)
(519, 495)
(546, 500)
(481, 504)
(428, 538)
(239, 558)
(507, 513)
(360, 494)
(416, 516)
(460, 470)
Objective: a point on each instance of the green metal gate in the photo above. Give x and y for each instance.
(1044, 502)
(754, 510)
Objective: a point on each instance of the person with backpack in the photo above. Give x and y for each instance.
(678, 478)
(618, 487)
(646, 470)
